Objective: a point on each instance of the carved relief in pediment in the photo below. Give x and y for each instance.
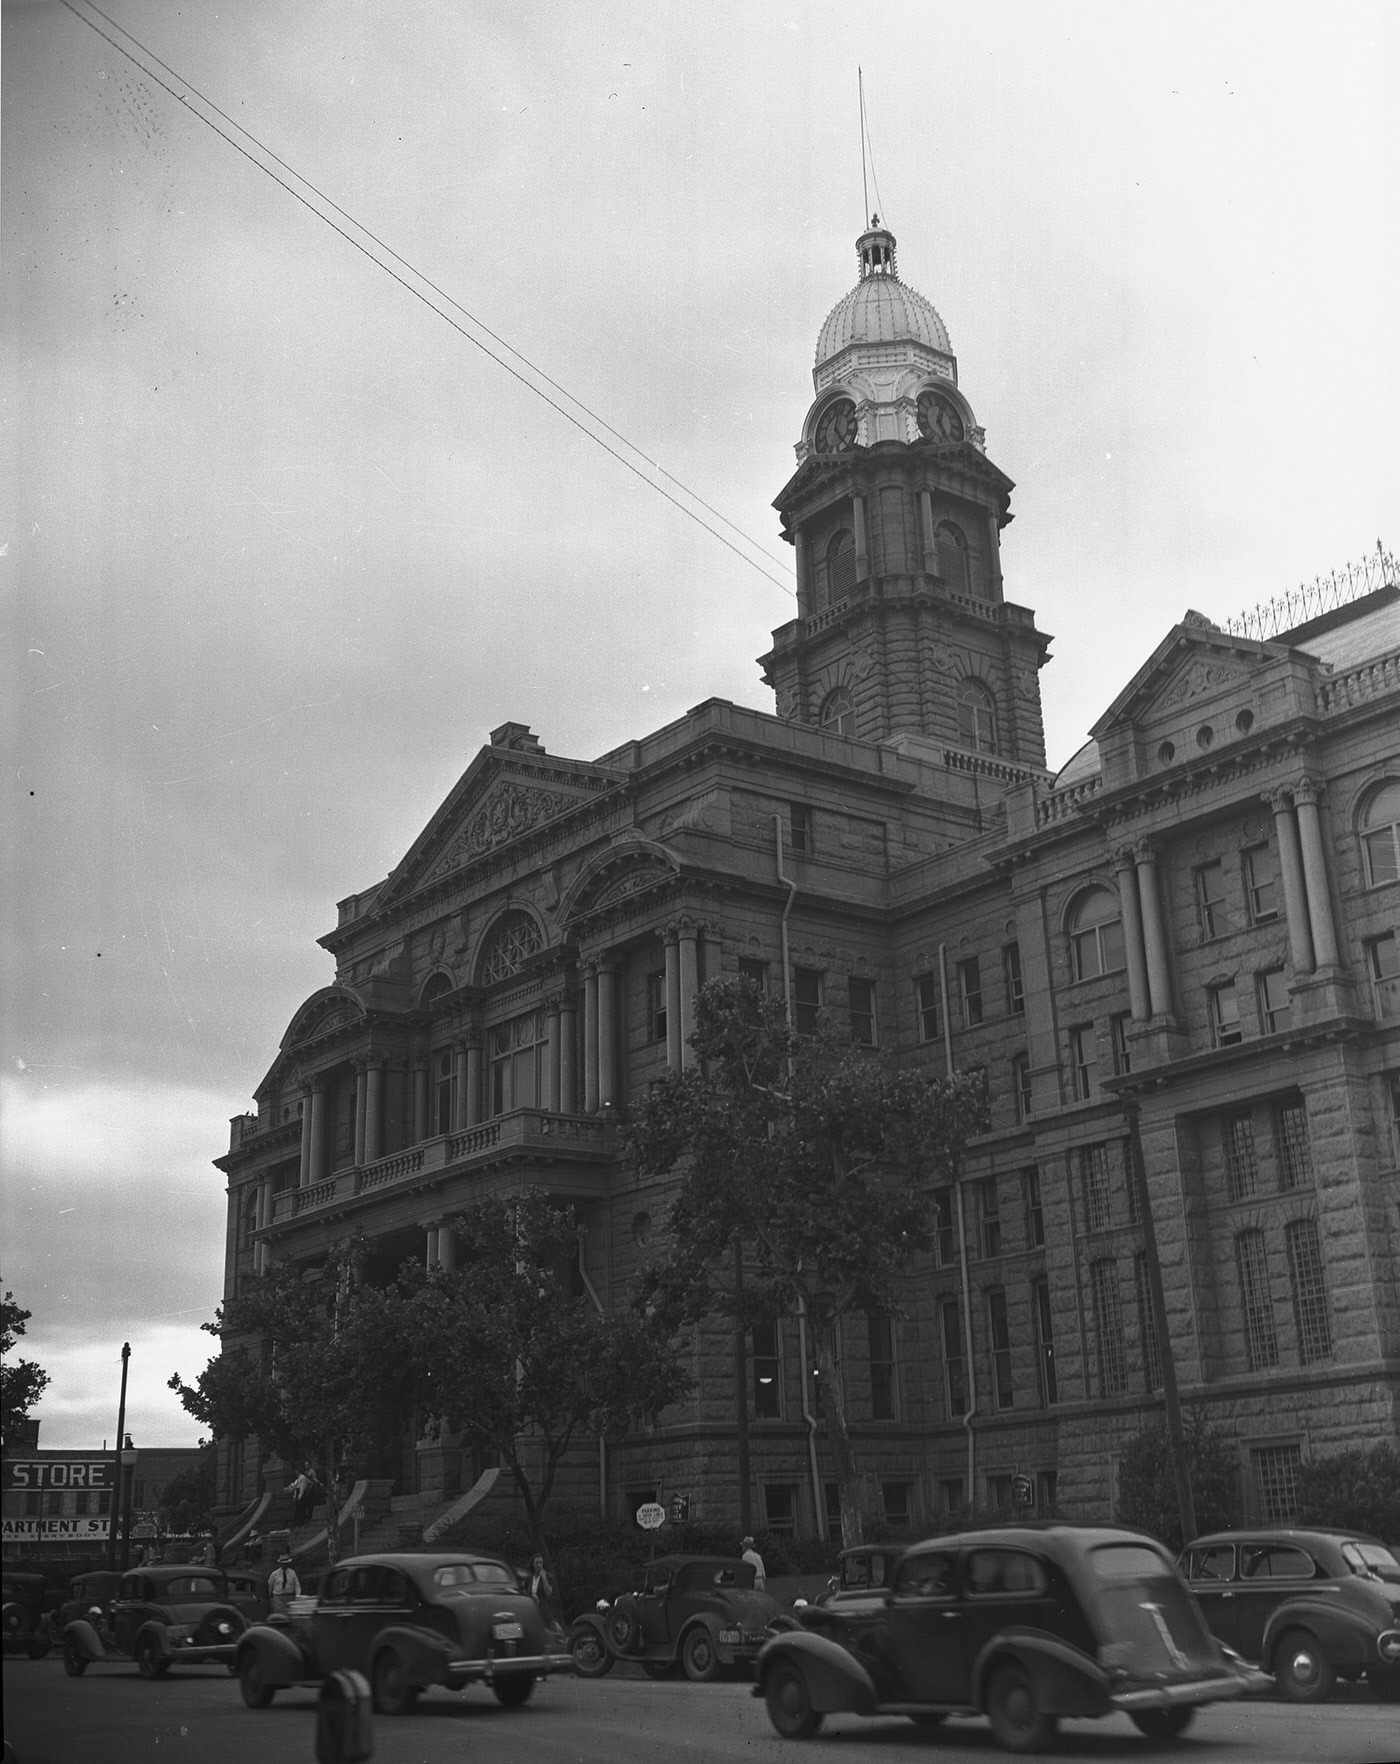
(507, 811)
(1196, 679)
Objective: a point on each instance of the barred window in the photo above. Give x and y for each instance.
(1310, 1314)
(1291, 1148)
(1108, 1328)
(1147, 1324)
(1275, 1471)
(1241, 1159)
(511, 944)
(1256, 1301)
(1094, 1188)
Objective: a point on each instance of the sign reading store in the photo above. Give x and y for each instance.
(65, 1473)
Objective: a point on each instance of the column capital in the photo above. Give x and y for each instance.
(1124, 857)
(1144, 852)
(1279, 799)
(1307, 789)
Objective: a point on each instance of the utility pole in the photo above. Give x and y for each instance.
(115, 1513)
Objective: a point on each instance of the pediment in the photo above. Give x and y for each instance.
(325, 1013)
(1196, 661)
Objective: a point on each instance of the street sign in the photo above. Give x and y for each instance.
(680, 1509)
(650, 1515)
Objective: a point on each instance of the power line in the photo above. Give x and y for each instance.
(417, 293)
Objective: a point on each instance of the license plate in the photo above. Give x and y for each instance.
(730, 1637)
(508, 1631)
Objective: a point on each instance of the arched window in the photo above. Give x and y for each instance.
(512, 942)
(840, 566)
(977, 717)
(1096, 935)
(952, 557)
(1380, 834)
(838, 712)
(434, 987)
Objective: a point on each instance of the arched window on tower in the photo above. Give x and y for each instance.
(838, 712)
(953, 562)
(1380, 834)
(977, 717)
(840, 565)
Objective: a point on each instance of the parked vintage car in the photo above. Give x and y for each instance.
(247, 1589)
(695, 1612)
(161, 1616)
(861, 1571)
(1309, 1606)
(1024, 1624)
(94, 1590)
(23, 1622)
(406, 1622)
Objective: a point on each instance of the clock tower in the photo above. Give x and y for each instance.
(903, 633)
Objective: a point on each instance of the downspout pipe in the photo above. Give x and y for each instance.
(592, 1292)
(791, 887)
(971, 1414)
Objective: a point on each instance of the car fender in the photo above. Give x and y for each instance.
(591, 1620)
(706, 1620)
(1348, 1638)
(836, 1681)
(283, 1660)
(1067, 1682)
(85, 1639)
(424, 1652)
(153, 1630)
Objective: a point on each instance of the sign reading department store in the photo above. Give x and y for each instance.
(80, 1529)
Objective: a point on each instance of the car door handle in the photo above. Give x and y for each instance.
(950, 1616)
(1227, 1595)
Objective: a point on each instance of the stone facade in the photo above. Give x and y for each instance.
(1180, 952)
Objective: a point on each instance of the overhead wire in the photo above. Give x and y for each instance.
(427, 282)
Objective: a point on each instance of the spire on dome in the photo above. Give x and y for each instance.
(875, 251)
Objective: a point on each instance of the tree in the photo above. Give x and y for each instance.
(186, 1503)
(22, 1382)
(504, 1349)
(813, 1154)
(308, 1364)
(1147, 1483)
(1358, 1489)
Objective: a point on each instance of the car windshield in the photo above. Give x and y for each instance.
(1126, 1561)
(473, 1574)
(1370, 1558)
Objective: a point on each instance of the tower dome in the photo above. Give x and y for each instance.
(880, 308)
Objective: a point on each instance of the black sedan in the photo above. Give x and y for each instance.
(698, 1613)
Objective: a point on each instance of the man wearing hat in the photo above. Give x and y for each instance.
(760, 1573)
(283, 1586)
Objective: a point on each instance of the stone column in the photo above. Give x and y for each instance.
(551, 1077)
(1295, 893)
(1139, 994)
(711, 956)
(462, 1107)
(420, 1100)
(447, 1247)
(673, 1001)
(1305, 799)
(430, 1248)
(360, 1087)
(568, 1054)
(590, 1042)
(264, 1219)
(320, 1132)
(689, 977)
(374, 1111)
(804, 590)
(471, 1080)
(930, 549)
(1153, 935)
(304, 1173)
(862, 538)
(607, 1033)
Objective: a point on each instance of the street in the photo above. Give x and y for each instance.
(119, 1718)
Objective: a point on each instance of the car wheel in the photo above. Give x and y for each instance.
(1018, 1722)
(624, 1631)
(590, 1654)
(1302, 1671)
(150, 1662)
(513, 1689)
(1163, 1724)
(393, 1694)
(790, 1702)
(698, 1656)
(659, 1668)
(257, 1692)
(74, 1663)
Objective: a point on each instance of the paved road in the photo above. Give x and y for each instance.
(110, 1716)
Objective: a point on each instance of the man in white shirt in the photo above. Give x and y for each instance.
(760, 1573)
(283, 1586)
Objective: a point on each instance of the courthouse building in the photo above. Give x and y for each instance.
(1183, 948)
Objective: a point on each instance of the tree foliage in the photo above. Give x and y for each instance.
(1147, 1485)
(186, 1503)
(22, 1382)
(1358, 1490)
(815, 1156)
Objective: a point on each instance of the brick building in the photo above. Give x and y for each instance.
(1183, 948)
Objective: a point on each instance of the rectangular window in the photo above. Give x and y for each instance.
(518, 1053)
(989, 1216)
(1047, 1488)
(970, 991)
(1275, 1471)
(954, 1361)
(1035, 1212)
(444, 1090)
(1118, 1028)
(1383, 845)
(1021, 1087)
(656, 1006)
(926, 1000)
(1383, 965)
(1015, 986)
(999, 1332)
(1271, 991)
(945, 1238)
(1310, 1315)
(1084, 1061)
(950, 1494)
(1241, 1158)
(800, 823)
(897, 1498)
(882, 1385)
(1393, 1082)
(1046, 1383)
(1094, 1187)
(806, 999)
(1147, 1324)
(1256, 1301)
(1108, 1328)
(1260, 885)
(831, 1492)
(1210, 900)
(780, 1508)
(1225, 1015)
(862, 997)
(755, 971)
(767, 1372)
(999, 1494)
(1292, 1152)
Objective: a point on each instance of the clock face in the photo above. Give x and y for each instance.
(837, 429)
(938, 417)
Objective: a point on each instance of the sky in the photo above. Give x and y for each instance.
(281, 546)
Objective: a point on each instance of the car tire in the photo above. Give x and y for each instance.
(514, 1689)
(150, 1662)
(624, 1629)
(393, 1693)
(590, 1655)
(257, 1693)
(1302, 1671)
(789, 1701)
(659, 1669)
(1018, 1721)
(1163, 1724)
(74, 1663)
(699, 1656)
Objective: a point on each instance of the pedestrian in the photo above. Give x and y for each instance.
(211, 1551)
(542, 1588)
(254, 1545)
(283, 1586)
(751, 1555)
(302, 1489)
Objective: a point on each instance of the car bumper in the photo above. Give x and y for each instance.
(1197, 1690)
(484, 1671)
